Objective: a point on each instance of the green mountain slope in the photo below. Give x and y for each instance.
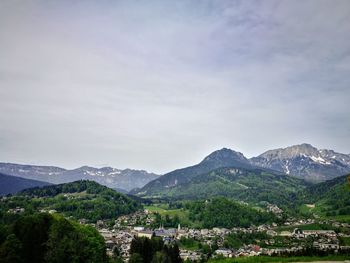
(245, 184)
(221, 158)
(218, 159)
(331, 198)
(80, 199)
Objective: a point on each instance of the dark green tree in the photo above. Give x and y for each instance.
(11, 250)
(32, 232)
(135, 258)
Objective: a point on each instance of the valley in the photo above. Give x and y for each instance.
(174, 131)
(224, 209)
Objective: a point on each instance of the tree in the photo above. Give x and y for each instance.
(74, 243)
(174, 254)
(153, 250)
(32, 232)
(10, 250)
(160, 257)
(61, 244)
(135, 258)
(43, 238)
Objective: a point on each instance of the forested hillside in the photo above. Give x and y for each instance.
(331, 198)
(81, 199)
(221, 212)
(245, 184)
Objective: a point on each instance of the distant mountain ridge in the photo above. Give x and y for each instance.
(126, 179)
(305, 161)
(13, 184)
(279, 166)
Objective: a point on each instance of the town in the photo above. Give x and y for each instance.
(275, 243)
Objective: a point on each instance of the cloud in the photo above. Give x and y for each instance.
(158, 85)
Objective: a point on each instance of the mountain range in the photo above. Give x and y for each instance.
(273, 174)
(13, 184)
(305, 161)
(123, 180)
(224, 173)
(299, 161)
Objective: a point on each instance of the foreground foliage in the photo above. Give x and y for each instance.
(52, 239)
(153, 250)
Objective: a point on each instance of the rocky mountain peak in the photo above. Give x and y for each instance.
(292, 152)
(305, 160)
(225, 155)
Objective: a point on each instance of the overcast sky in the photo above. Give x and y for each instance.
(158, 85)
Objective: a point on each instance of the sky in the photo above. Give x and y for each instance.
(158, 85)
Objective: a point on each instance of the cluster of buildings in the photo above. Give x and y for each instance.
(137, 218)
(17, 210)
(127, 227)
(120, 240)
(190, 255)
(245, 251)
(274, 209)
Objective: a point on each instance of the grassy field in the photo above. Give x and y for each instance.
(345, 241)
(340, 218)
(266, 259)
(306, 227)
(305, 210)
(163, 210)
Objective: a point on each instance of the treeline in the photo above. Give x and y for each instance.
(221, 212)
(145, 250)
(43, 238)
(90, 187)
(166, 221)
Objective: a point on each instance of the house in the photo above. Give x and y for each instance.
(271, 232)
(329, 233)
(190, 255)
(285, 234)
(171, 232)
(298, 233)
(16, 210)
(325, 246)
(146, 233)
(225, 252)
(204, 232)
(110, 244)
